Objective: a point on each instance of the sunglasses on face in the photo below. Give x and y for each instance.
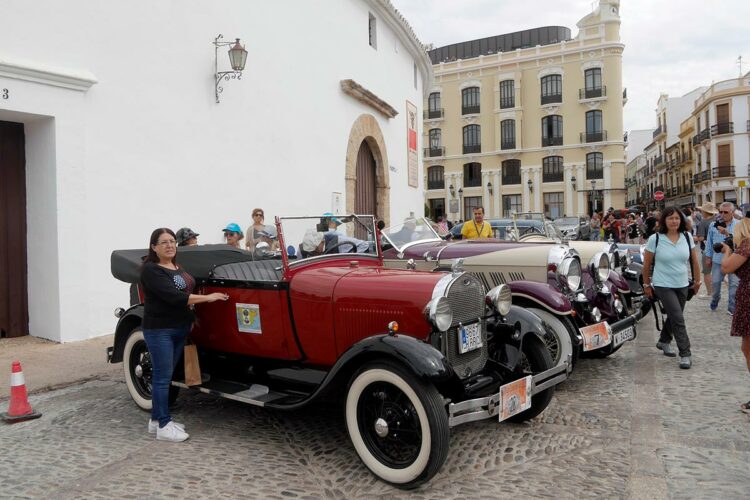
(257, 215)
(724, 212)
(230, 233)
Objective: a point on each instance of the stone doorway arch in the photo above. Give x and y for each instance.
(365, 128)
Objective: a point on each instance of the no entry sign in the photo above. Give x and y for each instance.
(658, 195)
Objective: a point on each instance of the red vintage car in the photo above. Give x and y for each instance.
(408, 354)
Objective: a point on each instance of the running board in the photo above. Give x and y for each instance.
(255, 394)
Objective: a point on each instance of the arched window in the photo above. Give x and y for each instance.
(435, 179)
(433, 106)
(511, 172)
(594, 131)
(551, 89)
(594, 166)
(508, 134)
(552, 169)
(552, 130)
(472, 174)
(472, 139)
(436, 147)
(470, 100)
(507, 94)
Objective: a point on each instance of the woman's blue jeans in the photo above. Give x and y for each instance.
(165, 346)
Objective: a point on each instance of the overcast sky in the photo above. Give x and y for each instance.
(671, 46)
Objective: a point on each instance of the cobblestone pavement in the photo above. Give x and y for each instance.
(630, 426)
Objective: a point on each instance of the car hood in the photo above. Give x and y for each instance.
(370, 298)
(456, 250)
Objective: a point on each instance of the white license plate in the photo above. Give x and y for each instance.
(469, 338)
(624, 335)
(515, 397)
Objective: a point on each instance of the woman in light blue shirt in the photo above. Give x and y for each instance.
(670, 252)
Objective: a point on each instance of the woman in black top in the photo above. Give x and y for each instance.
(167, 320)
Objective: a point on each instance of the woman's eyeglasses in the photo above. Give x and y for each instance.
(257, 215)
(166, 243)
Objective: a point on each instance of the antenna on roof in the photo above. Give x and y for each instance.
(739, 63)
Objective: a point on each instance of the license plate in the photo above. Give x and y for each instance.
(623, 336)
(515, 397)
(596, 336)
(470, 338)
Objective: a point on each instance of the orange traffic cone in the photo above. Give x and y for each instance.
(19, 408)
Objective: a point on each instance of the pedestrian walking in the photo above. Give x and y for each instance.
(736, 262)
(718, 232)
(631, 230)
(670, 252)
(167, 320)
(708, 211)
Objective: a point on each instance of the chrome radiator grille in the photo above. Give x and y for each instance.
(466, 297)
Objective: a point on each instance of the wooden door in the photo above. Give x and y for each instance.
(365, 191)
(722, 113)
(14, 314)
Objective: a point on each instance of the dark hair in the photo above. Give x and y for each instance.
(480, 207)
(668, 212)
(152, 257)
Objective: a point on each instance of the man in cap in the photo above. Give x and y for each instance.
(708, 210)
(186, 237)
(718, 231)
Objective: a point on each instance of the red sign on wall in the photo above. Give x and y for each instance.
(658, 195)
(411, 144)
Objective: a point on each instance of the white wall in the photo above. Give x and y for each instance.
(147, 146)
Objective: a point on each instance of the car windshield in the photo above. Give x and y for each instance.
(567, 221)
(410, 231)
(312, 236)
(541, 223)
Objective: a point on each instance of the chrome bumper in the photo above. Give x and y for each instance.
(489, 406)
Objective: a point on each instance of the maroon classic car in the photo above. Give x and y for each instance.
(407, 354)
(583, 302)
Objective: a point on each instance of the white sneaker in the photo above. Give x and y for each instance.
(154, 424)
(171, 432)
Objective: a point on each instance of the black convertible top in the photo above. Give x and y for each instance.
(199, 260)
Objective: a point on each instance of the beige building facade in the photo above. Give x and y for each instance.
(530, 120)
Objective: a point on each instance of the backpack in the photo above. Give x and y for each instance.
(691, 281)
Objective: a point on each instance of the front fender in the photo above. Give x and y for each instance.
(543, 294)
(509, 334)
(132, 318)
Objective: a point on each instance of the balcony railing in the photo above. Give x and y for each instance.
(696, 139)
(705, 134)
(432, 152)
(592, 93)
(552, 177)
(469, 110)
(511, 179)
(433, 113)
(507, 102)
(552, 141)
(702, 177)
(727, 171)
(722, 128)
(656, 132)
(473, 181)
(549, 99)
(593, 136)
(658, 161)
(474, 148)
(508, 144)
(436, 184)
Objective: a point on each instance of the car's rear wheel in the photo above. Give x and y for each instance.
(139, 371)
(535, 359)
(397, 423)
(560, 347)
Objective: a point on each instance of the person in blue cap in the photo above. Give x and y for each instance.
(233, 234)
(333, 224)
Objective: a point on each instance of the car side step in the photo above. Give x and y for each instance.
(254, 394)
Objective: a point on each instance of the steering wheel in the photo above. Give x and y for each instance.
(334, 247)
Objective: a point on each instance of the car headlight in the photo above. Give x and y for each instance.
(500, 298)
(599, 267)
(619, 306)
(439, 313)
(569, 272)
(596, 314)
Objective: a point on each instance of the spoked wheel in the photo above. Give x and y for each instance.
(397, 423)
(139, 371)
(535, 359)
(559, 345)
